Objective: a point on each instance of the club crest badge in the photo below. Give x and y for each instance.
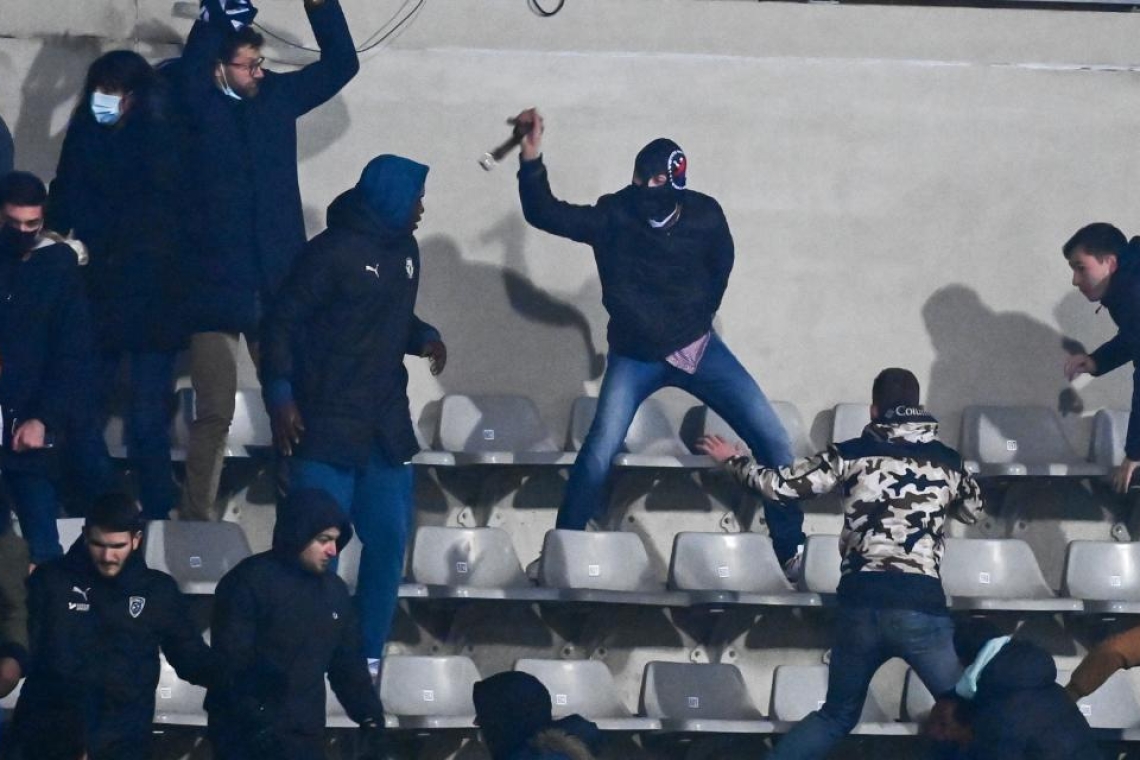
(409, 267)
(135, 605)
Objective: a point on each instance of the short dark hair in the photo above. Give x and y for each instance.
(247, 35)
(114, 513)
(22, 189)
(119, 70)
(893, 387)
(1098, 240)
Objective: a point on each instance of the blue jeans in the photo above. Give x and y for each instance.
(865, 639)
(378, 500)
(722, 383)
(147, 429)
(37, 508)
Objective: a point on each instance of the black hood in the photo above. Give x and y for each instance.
(303, 515)
(1019, 665)
(1127, 270)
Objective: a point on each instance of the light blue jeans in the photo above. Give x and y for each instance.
(865, 638)
(378, 500)
(722, 383)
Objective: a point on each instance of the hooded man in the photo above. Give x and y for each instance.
(45, 354)
(898, 485)
(97, 619)
(514, 715)
(1106, 269)
(334, 377)
(282, 621)
(664, 253)
(1012, 701)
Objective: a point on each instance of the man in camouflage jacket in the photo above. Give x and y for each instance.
(898, 484)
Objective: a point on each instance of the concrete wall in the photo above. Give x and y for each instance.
(899, 181)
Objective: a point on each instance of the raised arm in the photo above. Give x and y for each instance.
(319, 81)
(803, 479)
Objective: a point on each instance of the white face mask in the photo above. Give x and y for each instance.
(107, 109)
(226, 86)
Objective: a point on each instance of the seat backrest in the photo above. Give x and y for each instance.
(711, 423)
(482, 557)
(1002, 568)
(726, 562)
(1014, 434)
(1102, 570)
(798, 690)
(348, 562)
(250, 426)
(585, 687)
(917, 699)
(1113, 705)
(821, 563)
(197, 554)
(848, 421)
(1106, 446)
(437, 686)
(651, 432)
(69, 529)
(479, 423)
(673, 690)
(177, 702)
(613, 561)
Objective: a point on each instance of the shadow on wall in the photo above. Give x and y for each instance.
(504, 333)
(55, 78)
(985, 356)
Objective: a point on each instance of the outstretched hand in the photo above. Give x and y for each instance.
(436, 354)
(531, 121)
(1079, 364)
(718, 448)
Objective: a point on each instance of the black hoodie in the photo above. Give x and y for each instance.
(94, 645)
(1020, 711)
(1123, 303)
(280, 628)
(337, 335)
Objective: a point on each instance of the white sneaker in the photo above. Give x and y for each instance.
(794, 567)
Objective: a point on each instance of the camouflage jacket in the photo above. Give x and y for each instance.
(898, 484)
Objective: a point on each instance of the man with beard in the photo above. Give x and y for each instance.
(664, 254)
(45, 354)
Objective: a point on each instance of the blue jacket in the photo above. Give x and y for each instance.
(45, 345)
(337, 334)
(244, 199)
(118, 190)
(661, 288)
(1123, 303)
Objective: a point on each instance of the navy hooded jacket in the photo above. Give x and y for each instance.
(242, 192)
(279, 628)
(1123, 303)
(1020, 711)
(336, 337)
(94, 646)
(661, 287)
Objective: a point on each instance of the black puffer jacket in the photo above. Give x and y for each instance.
(94, 645)
(341, 327)
(661, 287)
(279, 628)
(1021, 712)
(1123, 303)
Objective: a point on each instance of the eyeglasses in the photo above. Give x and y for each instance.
(251, 67)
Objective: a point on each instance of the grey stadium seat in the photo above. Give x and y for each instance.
(250, 430)
(998, 574)
(711, 423)
(602, 567)
(848, 421)
(688, 697)
(586, 687)
(652, 440)
(1110, 428)
(1020, 440)
(348, 568)
(798, 690)
(1113, 706)
(732, 568)
(1105, 575)
(177, 702)
(470, 563)
(497, 429)
(196, 554)
(429, 692)
(821, 565)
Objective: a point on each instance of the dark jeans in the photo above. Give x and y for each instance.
(146, 429)
(865, 638)
(378, 499)
(37, 508)
(722, 383)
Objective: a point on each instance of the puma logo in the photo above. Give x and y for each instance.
(374, 269)
(81, 592)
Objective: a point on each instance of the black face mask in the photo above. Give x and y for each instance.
(17, 242)
(656, 203)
